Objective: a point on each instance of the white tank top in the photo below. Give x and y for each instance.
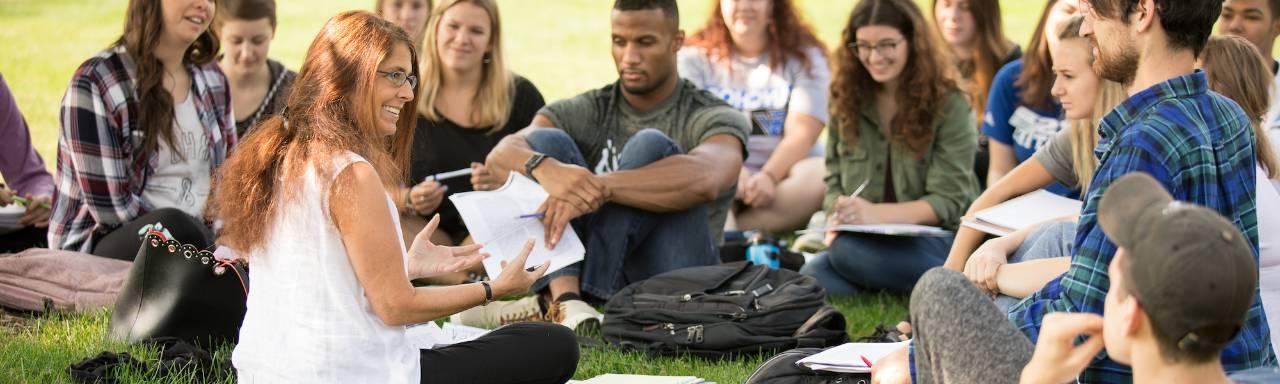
(308, 319)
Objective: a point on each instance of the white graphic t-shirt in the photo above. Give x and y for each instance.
(181, 178)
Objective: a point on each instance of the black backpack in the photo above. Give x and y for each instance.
(722, 310)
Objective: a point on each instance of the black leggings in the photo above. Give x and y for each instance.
(521, 353)
(24, 239)
(123, 242)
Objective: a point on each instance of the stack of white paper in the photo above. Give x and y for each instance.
(848, 357)
(9, 216)
(494, 218)
(429, 335)
(1023, 211)
(613, 378)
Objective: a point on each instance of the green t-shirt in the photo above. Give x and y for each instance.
(600, 122)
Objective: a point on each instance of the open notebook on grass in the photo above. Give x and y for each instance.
(498, 220)
(848, 357)
(1022, 211)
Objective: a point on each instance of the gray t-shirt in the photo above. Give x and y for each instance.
(1056, 158)
(763, 93)
(600, 121)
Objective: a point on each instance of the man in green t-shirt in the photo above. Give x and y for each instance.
(645, 169)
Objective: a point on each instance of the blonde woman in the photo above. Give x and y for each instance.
(1067, 159)
(469, 101)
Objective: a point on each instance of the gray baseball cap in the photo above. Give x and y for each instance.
(1191, 269)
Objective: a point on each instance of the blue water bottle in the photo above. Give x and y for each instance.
(762, 250)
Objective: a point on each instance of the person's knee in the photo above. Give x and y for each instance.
(550, 141)
(647, 146)
(937, 285)
(558, 342)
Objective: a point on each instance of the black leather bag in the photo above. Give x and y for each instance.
(176, 290)
(782, 369)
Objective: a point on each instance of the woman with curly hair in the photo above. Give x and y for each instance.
(899, 151)
(762, 58)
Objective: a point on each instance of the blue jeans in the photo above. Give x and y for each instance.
(858, 261)
(625, 244)
(1048, 241)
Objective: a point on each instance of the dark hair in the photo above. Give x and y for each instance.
(330, 110)
(668, 7)
(143, 27)
(925, 84)
(789, 36)
(1036, 79)
(246, 10)
(1188, 23)
(1275, 7)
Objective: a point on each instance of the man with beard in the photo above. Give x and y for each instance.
(1196, 144)
(643, 168)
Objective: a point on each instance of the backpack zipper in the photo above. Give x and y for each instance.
(694, 334)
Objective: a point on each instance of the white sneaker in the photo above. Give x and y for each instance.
(576, 315)
(812, 242)
(500, 313)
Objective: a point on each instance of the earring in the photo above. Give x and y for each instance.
(487, 59)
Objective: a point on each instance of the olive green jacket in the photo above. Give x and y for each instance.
(943, 178)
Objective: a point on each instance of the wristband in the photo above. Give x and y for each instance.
(488, 292)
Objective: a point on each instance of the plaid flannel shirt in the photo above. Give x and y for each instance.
(101, 167)
(1199, 145)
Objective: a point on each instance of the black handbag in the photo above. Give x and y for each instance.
(782, 369)
(176, 290)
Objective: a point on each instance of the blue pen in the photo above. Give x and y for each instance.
(532, 216)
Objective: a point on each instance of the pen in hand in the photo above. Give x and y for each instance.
(532, 216)
(858, 191)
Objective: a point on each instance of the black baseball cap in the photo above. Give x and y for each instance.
(1191, 269)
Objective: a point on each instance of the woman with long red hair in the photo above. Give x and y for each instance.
(762, 58)
(306, 200)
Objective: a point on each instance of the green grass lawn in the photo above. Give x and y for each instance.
(561, 45)
(41, 350)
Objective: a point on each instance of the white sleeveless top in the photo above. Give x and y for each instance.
(308, 319)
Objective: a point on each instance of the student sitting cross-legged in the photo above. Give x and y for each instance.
(307, 200)
(644, 168)
(762, 58)
(1182, 281)
(899, 150)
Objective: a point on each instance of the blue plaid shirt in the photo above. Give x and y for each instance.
(1199, 145)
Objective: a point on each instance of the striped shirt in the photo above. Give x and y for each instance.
(101, 168)
(1199, 145)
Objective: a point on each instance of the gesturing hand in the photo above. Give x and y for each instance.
(514, 278)
(1057, 359)
(427, 259)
